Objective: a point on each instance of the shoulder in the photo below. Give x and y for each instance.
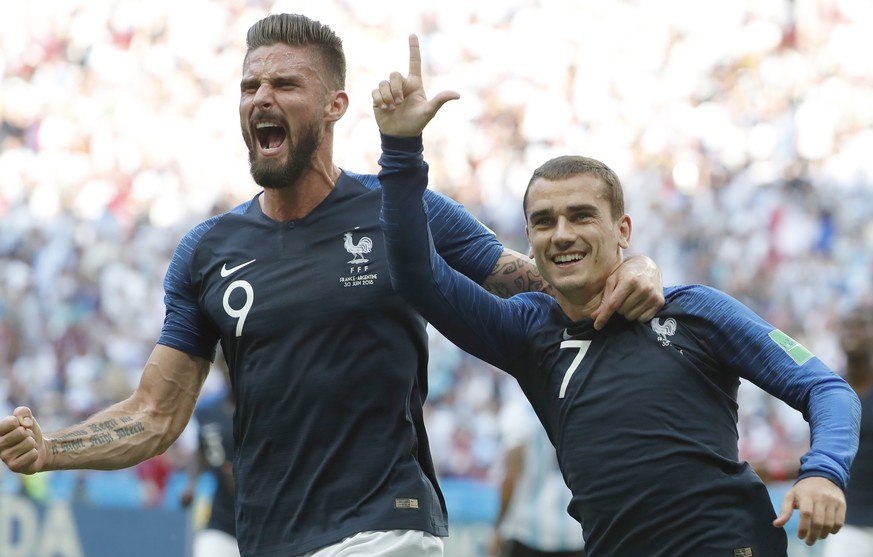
(714, 314)
(691, 291)
(369, 181)
(196, 234)
(712, 310)
(701, 299)
(433, 198)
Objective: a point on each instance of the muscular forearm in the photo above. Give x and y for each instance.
(118, 437)
(138, 428)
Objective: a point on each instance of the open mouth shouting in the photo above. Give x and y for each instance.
(270, 137)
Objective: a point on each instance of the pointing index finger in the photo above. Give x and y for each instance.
(414, 56)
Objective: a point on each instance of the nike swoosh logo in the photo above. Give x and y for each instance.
(227, 272)
(567, 335)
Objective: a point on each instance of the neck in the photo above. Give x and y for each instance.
(580, 300)
(579, 307)
(311, 188)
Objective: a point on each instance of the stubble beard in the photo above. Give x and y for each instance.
(276, 174)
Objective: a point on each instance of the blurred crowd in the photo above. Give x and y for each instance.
(742, 132)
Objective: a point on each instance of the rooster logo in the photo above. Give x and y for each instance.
(364, 245)
(664, 330)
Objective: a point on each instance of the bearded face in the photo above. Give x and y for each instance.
(282, 171)
(284, 108)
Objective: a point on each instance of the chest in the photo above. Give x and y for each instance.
(257, 279)
(638, 374)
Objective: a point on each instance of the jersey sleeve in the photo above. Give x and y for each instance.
(755, 350)
(184, 327)
(463, 241)
(490, 328)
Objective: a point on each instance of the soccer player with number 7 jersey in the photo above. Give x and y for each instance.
(643, 415)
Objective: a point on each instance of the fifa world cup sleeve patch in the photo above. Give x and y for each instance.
(797, 351)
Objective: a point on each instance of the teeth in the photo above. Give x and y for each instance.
(567, 258)
(260, 125)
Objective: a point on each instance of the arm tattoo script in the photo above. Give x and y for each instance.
(96, 434)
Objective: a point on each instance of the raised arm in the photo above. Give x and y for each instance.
(127, 433)
(634, 290)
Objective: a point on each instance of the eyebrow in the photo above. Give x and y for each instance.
(275, 80)
(584, 208)
(580, 208)
(540, 213)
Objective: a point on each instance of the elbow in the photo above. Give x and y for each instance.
(162, 428)
(165, 442)
(171, 428)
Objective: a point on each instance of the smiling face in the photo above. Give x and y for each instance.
(575, 239)
(284, 108)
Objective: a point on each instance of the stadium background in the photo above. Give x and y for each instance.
(743, 132)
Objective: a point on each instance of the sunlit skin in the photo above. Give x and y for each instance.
(574, 238)
(283, 86)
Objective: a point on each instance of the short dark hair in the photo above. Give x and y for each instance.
(299, 30)
(567, 166)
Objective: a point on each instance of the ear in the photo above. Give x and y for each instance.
(529, 247)
(338, 103)
(624, 231)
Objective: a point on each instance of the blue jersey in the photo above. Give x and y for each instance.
(643, 415)
(328, 365)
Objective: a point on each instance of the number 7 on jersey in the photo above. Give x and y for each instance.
(582, 346)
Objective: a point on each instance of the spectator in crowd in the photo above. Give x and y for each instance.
(856, 339)
(532, 520)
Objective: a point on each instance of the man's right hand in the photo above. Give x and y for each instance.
(22, 447)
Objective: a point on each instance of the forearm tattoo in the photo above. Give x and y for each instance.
(513, 275)
(96, 434)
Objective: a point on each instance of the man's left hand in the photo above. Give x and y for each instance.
(822, 507)
(634, 290)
